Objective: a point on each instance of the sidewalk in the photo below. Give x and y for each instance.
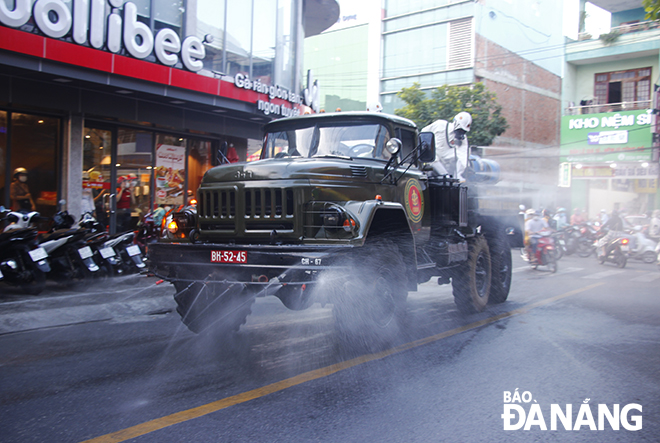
(118, 297)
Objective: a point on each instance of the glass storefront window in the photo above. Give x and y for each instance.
(3, 160)
(200, 160)
(264, 40)
(166, 14)
(239, 36)
(97, 153)
(134, 168)
(210, 21)
(34, 145)
(285, 60)
(170, 170)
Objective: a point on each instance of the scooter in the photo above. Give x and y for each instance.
(545, 251)
(71, 258)
(127, 252)
(615, 252)
(642, 247)
(22, 262)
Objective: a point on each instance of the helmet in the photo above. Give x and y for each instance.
(374, 107)
(603, 211)
(20, 171)
(530, 211)
(463, 120)
(561, 210)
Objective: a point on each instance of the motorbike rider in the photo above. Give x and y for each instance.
(654, 228)
(21, 199)
(560, 219)
(533, 227)
(451, 145)
(614, 227)
(577, 218)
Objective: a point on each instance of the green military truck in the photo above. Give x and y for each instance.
(339, 210)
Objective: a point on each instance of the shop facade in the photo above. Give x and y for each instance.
(101, 95)
(609, 162)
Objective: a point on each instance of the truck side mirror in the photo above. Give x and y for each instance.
(426, 147)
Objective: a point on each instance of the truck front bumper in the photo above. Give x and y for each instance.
(260, 265)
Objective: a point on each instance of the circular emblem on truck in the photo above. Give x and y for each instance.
(414, 200)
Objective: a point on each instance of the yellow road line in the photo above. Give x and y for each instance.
(189, 414)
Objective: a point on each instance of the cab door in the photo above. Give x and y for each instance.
(412, 190)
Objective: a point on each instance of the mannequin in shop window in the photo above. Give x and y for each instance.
(125, 201)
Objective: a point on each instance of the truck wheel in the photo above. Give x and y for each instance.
(219, 307)
(371, 302)
(501, 266)
(471, 282)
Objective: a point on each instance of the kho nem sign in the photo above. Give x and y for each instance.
(612, 136)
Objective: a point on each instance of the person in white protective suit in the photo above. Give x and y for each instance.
(451, 145)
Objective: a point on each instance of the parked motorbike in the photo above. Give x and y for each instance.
(642, 247)
(129, 253)
(615, 252)
(117, 254)
(19, 220)
(22, 262)
(545, 251)
(71, 258)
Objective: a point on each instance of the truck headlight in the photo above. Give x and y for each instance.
(332, 217)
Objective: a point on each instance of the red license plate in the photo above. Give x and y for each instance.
(228, 256)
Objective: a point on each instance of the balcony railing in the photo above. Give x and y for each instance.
(607, 107)
(625, 29)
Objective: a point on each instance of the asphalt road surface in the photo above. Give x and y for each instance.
(587, 336)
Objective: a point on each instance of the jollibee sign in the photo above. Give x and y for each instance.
(88, 23)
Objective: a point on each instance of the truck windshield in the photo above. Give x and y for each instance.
(354, 141)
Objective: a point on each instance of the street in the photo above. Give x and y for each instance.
(587, 335)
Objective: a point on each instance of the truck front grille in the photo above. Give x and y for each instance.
(268, 202)
(217, 204)
(247, 211)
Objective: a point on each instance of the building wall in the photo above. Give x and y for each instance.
(417, 46)
(338, 60)
(627, 16)
(533, 29)
(528, 93)
(530, 97)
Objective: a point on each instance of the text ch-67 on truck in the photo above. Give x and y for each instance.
(344, 209)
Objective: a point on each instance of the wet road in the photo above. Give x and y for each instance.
(587, 332)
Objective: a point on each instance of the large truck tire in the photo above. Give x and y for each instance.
(218, 308)
(471, 282)
(370, 304)
(501, 267)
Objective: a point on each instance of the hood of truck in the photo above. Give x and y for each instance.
(295, 168)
